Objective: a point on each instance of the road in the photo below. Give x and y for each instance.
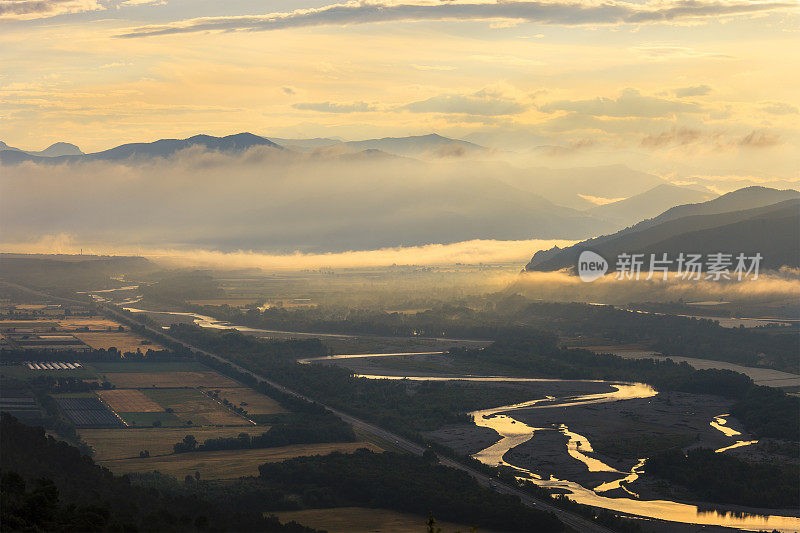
(574, 521)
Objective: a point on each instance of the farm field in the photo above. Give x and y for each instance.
(94, 323)
(135, 380)
(125, 443)
(233, 302)
(124, 341)
(227, 464)
(129, 401)
(348, 519)
(192, 405)
(144, 419)
(23, 372)
(37, 325)
(85, 411)
(253, 402)
(147, 366)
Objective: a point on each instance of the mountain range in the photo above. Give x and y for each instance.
(736, 222)
(54, 150)
(161, 148)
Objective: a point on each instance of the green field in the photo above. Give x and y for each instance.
(191, 405)
(147, 419)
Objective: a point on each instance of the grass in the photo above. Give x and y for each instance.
(226, 464)
(192, 405)
(348, 519)
(139, 380)
(128, 442)
(250, 400)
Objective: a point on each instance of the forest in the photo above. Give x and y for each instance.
(514, 316)
(406, 483)
(722, 478)
(291, 429)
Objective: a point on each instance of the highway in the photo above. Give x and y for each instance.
(574, 521)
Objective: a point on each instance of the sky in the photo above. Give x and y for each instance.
(676, 87)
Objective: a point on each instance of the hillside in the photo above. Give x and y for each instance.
(47, 485)
(705, 228)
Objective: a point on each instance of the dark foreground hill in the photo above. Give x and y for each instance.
(47, 485)
(734, 223)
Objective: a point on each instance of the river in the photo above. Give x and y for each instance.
(513, 433)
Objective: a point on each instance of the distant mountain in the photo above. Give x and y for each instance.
(648, 204)
(704, 228)
(160, 148)
(54, 150)
(4, 146)
(302, 145)
(431, 144)
(58, 149)
(574, 187)
(746, 198)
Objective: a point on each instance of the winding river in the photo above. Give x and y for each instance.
(513, 433)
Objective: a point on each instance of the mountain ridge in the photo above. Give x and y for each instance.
(700, 229)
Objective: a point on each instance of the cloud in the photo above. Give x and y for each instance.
(630, 103)
(38, 9)
(143, 3)
(471, 252)
(697, 90)
(759, 139)
(659, 52)
(289, 90)
(562, 286)
(333, 107)
(274, 201)
(561, 12)
(780, 108)
(443, 68)
(679, 136)
(571, 148)
(482, 103)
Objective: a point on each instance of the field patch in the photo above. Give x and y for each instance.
(137, 380)
(127, 443)
(150, 366)
(95, 323)
(227, 464)
(145, 419)
(233, 302)
(348, 519)
(36, 325)
(88, 412)
(123, 341)
(191, 405)
(129, 400)
(250, 400)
